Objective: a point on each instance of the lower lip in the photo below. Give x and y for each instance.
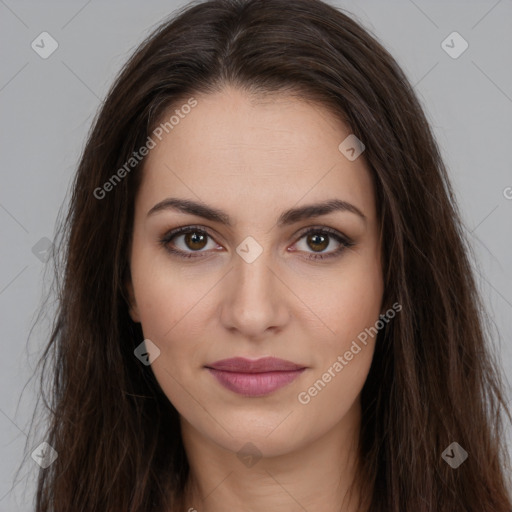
(255, 384)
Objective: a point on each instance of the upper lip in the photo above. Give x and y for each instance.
(265, 364)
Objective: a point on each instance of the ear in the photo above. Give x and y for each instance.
(132, 303)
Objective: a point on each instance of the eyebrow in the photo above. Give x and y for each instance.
(288, 217)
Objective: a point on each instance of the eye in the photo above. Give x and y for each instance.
(319, 239)
(194, 239)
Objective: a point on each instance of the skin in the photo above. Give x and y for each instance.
(254, 158)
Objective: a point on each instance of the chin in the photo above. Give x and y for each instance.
(269, 434)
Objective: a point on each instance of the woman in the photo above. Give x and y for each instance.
(267, 301)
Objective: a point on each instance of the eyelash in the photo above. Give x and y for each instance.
(344, 241)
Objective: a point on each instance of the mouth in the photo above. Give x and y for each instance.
(254, 377)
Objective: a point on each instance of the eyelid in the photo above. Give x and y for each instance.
(331, 231)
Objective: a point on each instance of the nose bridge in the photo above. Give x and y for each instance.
(254, 279)
(254, 300)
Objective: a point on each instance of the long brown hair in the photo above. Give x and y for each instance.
(433, 380)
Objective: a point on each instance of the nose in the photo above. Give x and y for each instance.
(255, 301)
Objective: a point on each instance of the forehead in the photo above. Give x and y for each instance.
(234, 148)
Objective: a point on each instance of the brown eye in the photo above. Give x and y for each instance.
(317, 242)
(189, 242)
(195, 240)
(186, 241)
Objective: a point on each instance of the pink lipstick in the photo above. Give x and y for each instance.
(254, 377)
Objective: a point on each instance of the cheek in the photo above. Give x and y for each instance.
(350, 308)
(343, 359)
(347, 302)
(175, 310)
(165, 294)
(168, 311)
(170, 317)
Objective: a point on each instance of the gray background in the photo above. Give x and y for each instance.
(47, 106)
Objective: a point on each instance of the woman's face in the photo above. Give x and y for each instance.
(259, 286)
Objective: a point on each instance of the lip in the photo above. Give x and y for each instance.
(258, 377)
